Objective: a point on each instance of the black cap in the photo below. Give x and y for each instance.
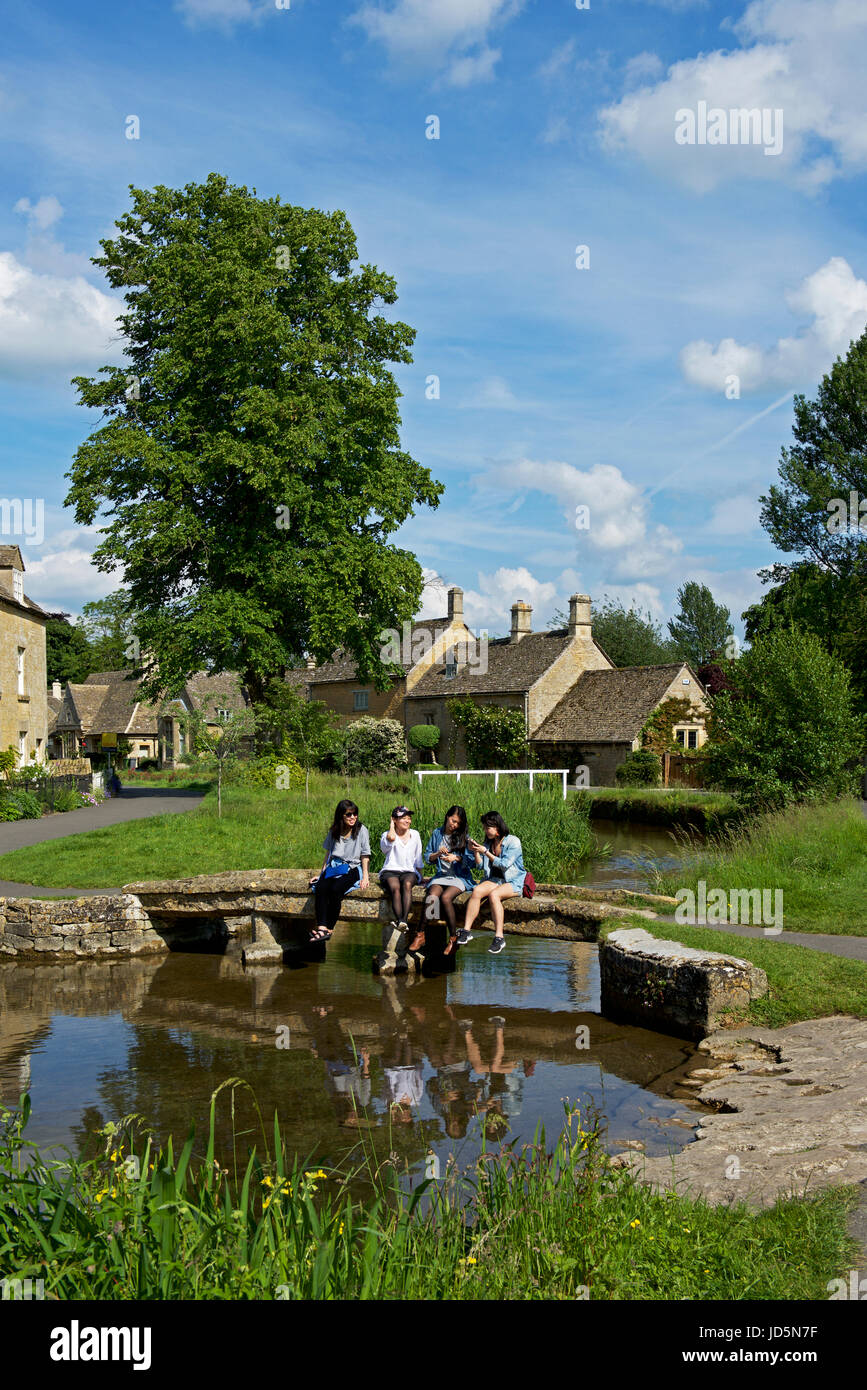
(401, 811)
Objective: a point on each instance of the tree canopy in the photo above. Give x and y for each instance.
(249, 463)
(701, 626)
(628, 636)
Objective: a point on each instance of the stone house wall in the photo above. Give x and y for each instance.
(27, 715)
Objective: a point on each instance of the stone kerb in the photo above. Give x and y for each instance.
(671, 987)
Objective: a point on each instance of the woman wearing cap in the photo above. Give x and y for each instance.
(347, 856)
(403, 867)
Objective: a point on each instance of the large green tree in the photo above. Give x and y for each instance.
(701, 626)
(788, 728)
(630, 637)
(819, 474)
(68, 655)
(108, 625)
(249, 462)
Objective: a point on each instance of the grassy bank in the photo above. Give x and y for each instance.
(709, 812)
(817, 855)
(535, 1225)
(268, 828)
(802, 983)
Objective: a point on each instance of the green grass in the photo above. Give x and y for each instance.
(817, 855)
(267, 828)
(709, 812)
(139, 1223)
(802, 983)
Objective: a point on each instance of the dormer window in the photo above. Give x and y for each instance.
(18, 586)
(451, 670)
(223, 715)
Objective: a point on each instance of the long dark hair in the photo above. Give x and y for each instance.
(336, 830)
(457, 838)
(494, 818)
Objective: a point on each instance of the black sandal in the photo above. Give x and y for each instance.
(321, 934)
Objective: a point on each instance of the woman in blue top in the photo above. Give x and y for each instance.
(503, 862)
(449, 851)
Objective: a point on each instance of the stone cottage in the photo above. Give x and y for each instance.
(528, 671)
(597, 724)
(417, 648)
(23, 689)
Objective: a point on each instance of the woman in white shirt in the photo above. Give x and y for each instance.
(403, 868)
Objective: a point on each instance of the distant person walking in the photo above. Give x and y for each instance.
(501, 857)
(347, 856)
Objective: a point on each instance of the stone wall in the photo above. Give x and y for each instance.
(673, 988)
(273, 907)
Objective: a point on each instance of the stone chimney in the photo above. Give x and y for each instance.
(521, 615)
(579, 616)
(456, 605)
(56, 690)
(311, 663)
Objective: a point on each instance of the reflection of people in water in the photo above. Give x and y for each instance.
(453, 1091)
(501, 1096)
(405, 1078)
(348, 1070)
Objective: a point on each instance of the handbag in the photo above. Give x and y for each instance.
(529, 885)
(336, 868)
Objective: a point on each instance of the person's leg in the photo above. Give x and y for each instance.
(430, 913)
(479, 893)
(328, 902)
(448, 909)
(407, 883)
(391, 882)
(504, 890)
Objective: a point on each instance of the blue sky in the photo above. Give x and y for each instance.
(608, 386)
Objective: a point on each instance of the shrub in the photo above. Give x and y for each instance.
(271, 769)
(494, 736)
(67, 799)
(641, 769)
(147, 765)
(373, 745)
(20, 805)
(423, 736)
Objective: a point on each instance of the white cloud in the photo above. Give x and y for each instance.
(439, 33)
(63, 576)
(619, 529)
(225, 12)
(644, 598)
(834, 301)
(804, 59)
(48, 322)
(735, 516)
(562, 56)
(41, 215)
(644, 66)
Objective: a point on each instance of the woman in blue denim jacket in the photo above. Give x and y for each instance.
(448, 850)
(503, 862)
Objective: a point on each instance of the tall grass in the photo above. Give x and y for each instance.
(817, 855)
(141, 1223)
(269, 828)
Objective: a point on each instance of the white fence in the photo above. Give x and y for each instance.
(493, 772)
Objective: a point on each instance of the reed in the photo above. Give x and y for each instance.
(140, 1222)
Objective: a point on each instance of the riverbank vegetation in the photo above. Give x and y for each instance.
(679, 807)
(265, 827)
(816, 854)
(137, 1222)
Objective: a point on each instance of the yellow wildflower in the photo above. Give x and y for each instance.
(267, 1182)
(635, 1223)
(472, 1260)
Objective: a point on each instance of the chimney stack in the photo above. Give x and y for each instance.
(456, 604)
(579, 616)
(56, 690)
(521, 615)
(311, 663)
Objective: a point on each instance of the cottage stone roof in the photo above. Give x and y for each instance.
(610, 706)
(107, 702)
(512, 667)
(342, 666)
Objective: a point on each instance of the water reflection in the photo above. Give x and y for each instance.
(353, 1064)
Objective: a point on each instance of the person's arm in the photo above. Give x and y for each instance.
(418, 862)
(365, 880)
(431, 854)
(391, 833)
(327, 846)
(385, 842)
(509, 853)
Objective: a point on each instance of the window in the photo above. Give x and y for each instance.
(21, 671)
(685, 680)
(22, 748)
(18, 585)
(680, 735)
(692, 738)
(430, 718)
(360, 699)
(223, 715)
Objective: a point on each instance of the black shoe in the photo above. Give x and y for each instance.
(464, 936)
(497, 945)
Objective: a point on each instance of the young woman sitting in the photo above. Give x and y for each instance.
(449, 851)
(403, 867)
(347, 856)
(502, 860)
